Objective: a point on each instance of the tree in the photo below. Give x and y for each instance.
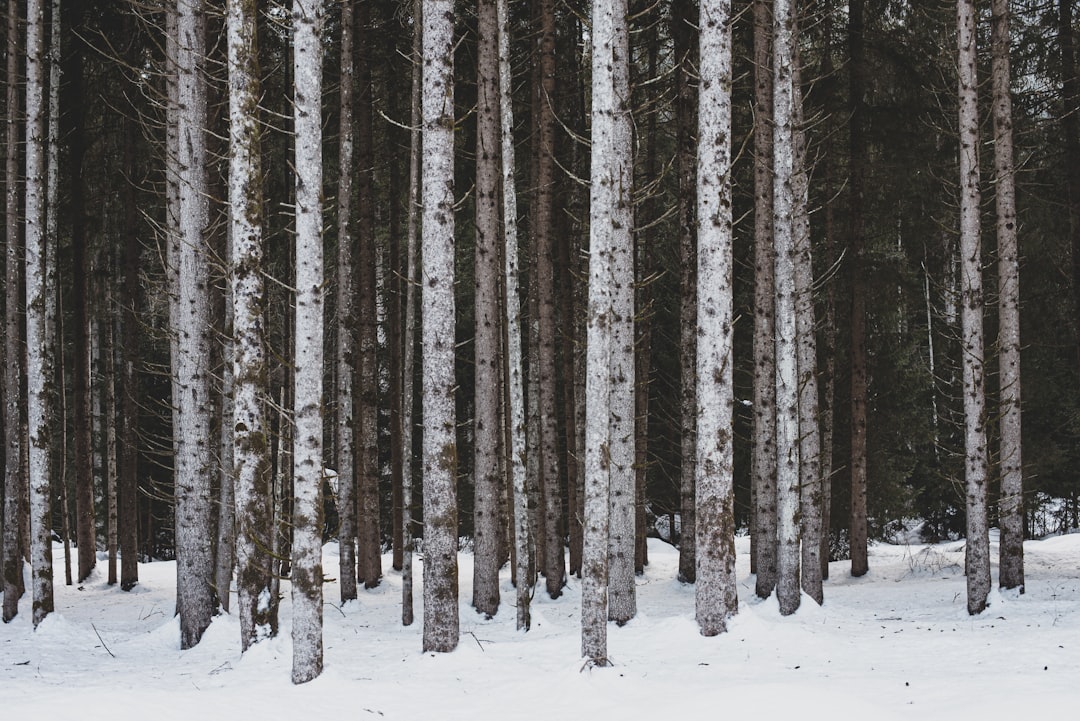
(763, 460)
(346, 317)
(1011, 507)
(13, 476)
(786, 332)
(977, 548)
(515, 391)
(683, 21)
(609, 373)
(486, 430)
(40, 317)
(859, 160)
(251, 455)
(620, 219)
(441, 624)
(191, 373)
(716, 597)
(307, 575)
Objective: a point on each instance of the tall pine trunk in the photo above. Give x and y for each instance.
(441, 623)
(191, 373)
(763, 459)
(716, 591)
(786, 332)
(486, 427)
(1010, 505)
(40, 318)
(307, 574)
(977, 548)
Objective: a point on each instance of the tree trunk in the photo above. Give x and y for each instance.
(806, 334)
(515, 390)
(345, 423)
(763, 460)
(554, 555)
(307, 575)
(191, 374)
(40, 318)
(129, 444)
(486, 344)
(977, 548)
(1010, 505)
(13, 480)
(441, 624)
(784, 244)
(858, 150)
(716, 597)
(684, 19)
(621, 584)
(257, 604)
(369, 541)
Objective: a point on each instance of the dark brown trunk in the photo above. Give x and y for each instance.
(858, 148)
(130, 303)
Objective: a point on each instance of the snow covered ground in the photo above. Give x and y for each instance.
(896, 643)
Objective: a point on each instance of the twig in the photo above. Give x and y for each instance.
(103, 644)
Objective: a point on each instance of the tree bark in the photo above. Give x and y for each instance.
(784, 244)
(1010, 505)
(40, 318)
(441, 623)
(369, 540)
(129, 438)
(345, 436)
(14, 506)
(515, 386)
(858, 151)
(487, 393)
(977, 548)
(716, 591)
(684, 20)
(763, 460)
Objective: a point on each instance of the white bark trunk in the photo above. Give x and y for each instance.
(715, 591)
(977, 549)
(623, 483)
(441, 624)
(787, 391)
(191, 373)
(251, 451)
(40, 319)
(307, 575)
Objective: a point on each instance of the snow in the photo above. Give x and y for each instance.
(895, 644)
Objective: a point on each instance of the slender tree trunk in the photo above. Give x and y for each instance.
(858, 151)
(684, 21)
(486, 344)
(13, 480)
(307, 575)
(1011, 507)
(191, 374)
(225, 556)
(784, 244)
(111, 480)
(977, 548)
(40, 317)
(257, 603)
(621, 584)
(441, 624)
(763, 460)
(129, 444)
(85, 527)
(346, 317)
(411, 283)
(515, 390)
(369, 540)
(716, 597)
(806, 334)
